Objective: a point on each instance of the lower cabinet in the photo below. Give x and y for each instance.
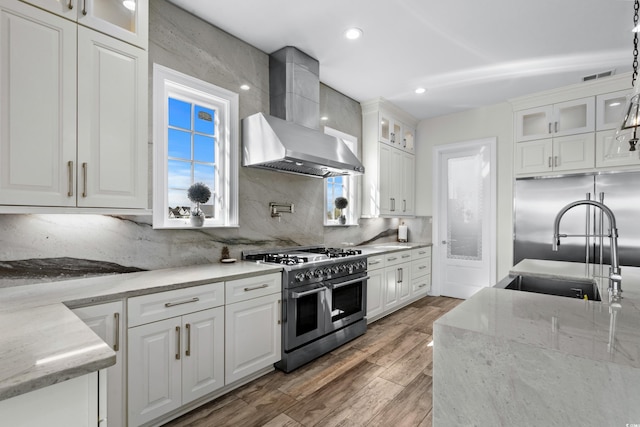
(396, 279)
(176, 360)
(107, 321)
(253, 336)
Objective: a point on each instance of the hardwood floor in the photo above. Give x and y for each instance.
(382, 378)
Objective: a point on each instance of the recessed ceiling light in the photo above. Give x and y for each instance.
(324, 118)
(353, 33)
(129, 4)
(245, 87)
(420, 90)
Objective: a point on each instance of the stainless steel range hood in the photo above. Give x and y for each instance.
(290, 140)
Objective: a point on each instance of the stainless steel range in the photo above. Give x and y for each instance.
(324, 299)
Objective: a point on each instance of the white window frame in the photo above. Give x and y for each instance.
(352, 211)
(170, 83)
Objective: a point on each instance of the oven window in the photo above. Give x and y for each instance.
(307, 314)
(346, 301)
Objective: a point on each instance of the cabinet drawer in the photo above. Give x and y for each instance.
(421, 285)
(163, 305)
(397, 258)
(253, 287)
(421, 252)
(375, 261)
(420, 267)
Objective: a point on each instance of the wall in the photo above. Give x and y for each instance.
(54, 247)
(492, 121)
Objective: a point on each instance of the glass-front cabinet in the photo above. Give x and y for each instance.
(565, 118)
(610, 109)
(126, 20)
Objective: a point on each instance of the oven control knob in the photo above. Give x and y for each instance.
(309, 274)
(318, 272)
(300, 277)
(335, 269)
(327, 271)
(343, 267)
(363, 264)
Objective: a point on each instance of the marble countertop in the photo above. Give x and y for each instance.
(44, 343)
(391, 247)
(589, 329)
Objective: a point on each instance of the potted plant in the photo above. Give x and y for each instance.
(198, 193)
(341, 203)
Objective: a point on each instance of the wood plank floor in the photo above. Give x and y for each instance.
(382, 378)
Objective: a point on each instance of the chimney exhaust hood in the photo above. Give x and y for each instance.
(290, 141)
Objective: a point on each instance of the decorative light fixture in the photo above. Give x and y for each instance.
(245, 87)
(353, 33)
(129, 4)
(629, 127)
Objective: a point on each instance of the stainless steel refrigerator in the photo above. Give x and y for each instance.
(538, 200)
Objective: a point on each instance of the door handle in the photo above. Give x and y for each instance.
(116, 340)
(70, 171)
(349, 282)
(188, 351)
(305, 293)
(178, 343)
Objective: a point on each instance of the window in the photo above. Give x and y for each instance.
(341, 186)
(195, 135)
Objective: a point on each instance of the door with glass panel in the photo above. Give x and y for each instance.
(465, 219)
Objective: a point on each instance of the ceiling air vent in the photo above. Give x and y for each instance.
(600, 75)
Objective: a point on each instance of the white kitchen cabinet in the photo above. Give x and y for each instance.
(397, 287)
(75, 135)
(71, 403)
(420, 272)
(612, 153)
(388, 147)
(610, 109)
(107, 321)
(375, 286)
(109, 17)
(178, 359)
(565, 118)
(253, 337)
(567, 153)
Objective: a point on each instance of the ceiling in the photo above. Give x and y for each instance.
(465, 53)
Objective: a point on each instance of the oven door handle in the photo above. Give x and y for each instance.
(348, 282)
(295, 295)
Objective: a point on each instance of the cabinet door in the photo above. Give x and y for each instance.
(37, 107)
(65, 8)
(573, 117)
(375, 302)
(404, 283)
(125, 20)
(384, 129)
(574, 152)
(533, 157)
(534, 123)
(107, 322)
(203, 353)
(408, 140)
(154, 365)
(610, 109)
(420, 285)
(253, 338)
(386, 173)
(407, 171)
(611, 153)
(391, 291)
(112, 122)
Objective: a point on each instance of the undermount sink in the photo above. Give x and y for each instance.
(572, 288)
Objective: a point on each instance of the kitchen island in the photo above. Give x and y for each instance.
(505, 357)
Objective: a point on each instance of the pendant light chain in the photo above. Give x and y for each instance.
(636, 7)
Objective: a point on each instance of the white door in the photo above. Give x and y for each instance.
(464, 217)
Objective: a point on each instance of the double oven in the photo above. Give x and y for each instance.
(324, 302)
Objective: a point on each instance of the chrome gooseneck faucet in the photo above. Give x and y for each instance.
(615, 278)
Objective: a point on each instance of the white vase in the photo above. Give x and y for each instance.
(197, 217)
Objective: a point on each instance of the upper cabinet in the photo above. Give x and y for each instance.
(565, 118)
(125, 20)
(389, 160)
(73, 113)
(610, 109)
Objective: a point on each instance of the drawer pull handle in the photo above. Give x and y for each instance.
(70, 5)
(70, 171)
(188, 351)
(422, 252)
(406, 256)
(178, 343)
(374, 262)
(84, 179)
(422, 267)
(392, 258)
(256, 287)
(423, 285)
(116, 343)
(171, 304)
(84, 7)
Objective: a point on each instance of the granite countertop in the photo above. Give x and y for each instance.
(588, 329)
(44, 343)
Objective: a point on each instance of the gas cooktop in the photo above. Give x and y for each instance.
(299, 256)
